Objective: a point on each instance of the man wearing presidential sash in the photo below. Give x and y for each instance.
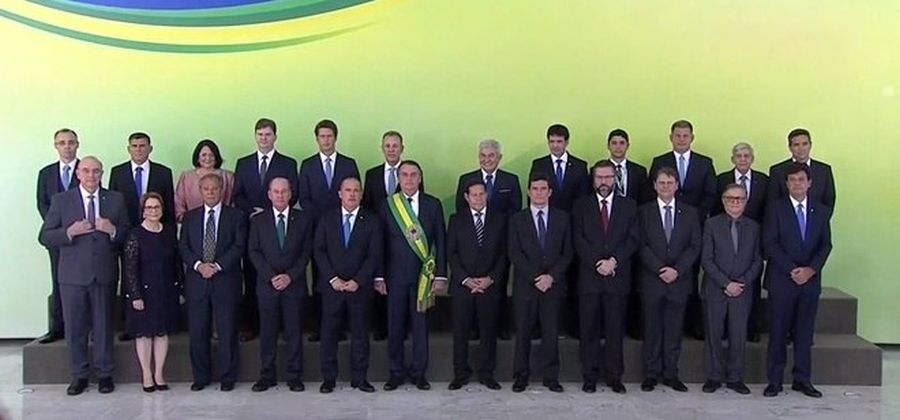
(415, 268)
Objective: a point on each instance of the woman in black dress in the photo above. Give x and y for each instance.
(153, 276)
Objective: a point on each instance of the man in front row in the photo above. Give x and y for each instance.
(476, 248)
(731, 261)
(540, 249)
(212, 242)
(279, 245)
(797, 240)
(348, 250)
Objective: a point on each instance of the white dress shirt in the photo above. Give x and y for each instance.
(387, 176)
(287, 215)
(737, 179)
(259, 159)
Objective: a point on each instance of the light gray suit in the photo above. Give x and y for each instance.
(721, 265)
(88, 270)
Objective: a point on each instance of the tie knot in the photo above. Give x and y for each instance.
(799, 207)
(743, 178)
(603, 202)
(211, 212)
(348, 216)
(280, 216)
(667, 207)
(409, 199)
(478, 214)
(139, 169)
(66, 168)
(328, 160)
(489, 177)
(265, 158)
(91, 197)
(540, 213)
(559, 162)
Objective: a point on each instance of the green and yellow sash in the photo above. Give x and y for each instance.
(418, 242)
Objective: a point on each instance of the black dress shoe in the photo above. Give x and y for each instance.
(503, 335)
(698, 334)
(738, 387)
(422, 383)
(314, 338)
(589, 386)
(553, 386)
(198, 386)
(363, 386)
(771, 390)
(226, 387)
(616, 386)
(648, 385)
(125, 337)
(807, 389)
(393, 383)
(342, 336)
(150, 388)
(105, 385)
(379, 336)
(711, 386)
(162, 387)
(675, 384)
(327, 387)
(457, 383)
(262, 385)
(490, 383)
(77, 387)
(519, 385)
(49, 337)
(296, 385)
(753, 337)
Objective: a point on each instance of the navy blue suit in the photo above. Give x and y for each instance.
(822, 190)
(793, 307)
(506, 197)
(315, 195)
(576, 181)
(699, 187)
(121, 179)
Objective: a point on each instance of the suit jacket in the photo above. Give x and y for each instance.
(315, 195)
(270, 259)
(121, 179)
(721, 264)
(699, 189)
(576, 182)
(250, 191)
(822, 190)
(638, 187)
(593, 244)
(231, 240)
(467, 258)
(360, 260)
(375, 192)
(49, 184)
(680, 253)
(785, 248)
(90, 257)
(401, 265)
(530, 261)
(756, 203)
(506, 198)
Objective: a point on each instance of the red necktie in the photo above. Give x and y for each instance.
(604, 216)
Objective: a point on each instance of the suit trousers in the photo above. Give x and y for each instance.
(201, 311)
(735, 312)
(55, 311)
(602, 312)
(88, 311)
(249, 312)
(486, 308)
(357, 307)
(402, 310)
(663, 322)
(528, 311)
(283, 311)
(792, 310)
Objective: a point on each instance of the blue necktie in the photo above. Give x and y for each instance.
(542, 229)
(682, 170)
(668, 224)
(801, 221)
(392, 181)
(66, 177)
(263, 168)
(489, 184)
(281, 231)
(329, 172)
(559, 172)
(139, 182)
(346, 229)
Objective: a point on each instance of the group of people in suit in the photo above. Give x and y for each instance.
(594, 253)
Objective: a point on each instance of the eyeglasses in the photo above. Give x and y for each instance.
(734, 198)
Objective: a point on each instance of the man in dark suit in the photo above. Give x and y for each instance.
(57, 177)
(732, 261)
(540, 249)
(797, 241)
(213, 239)
(152, 177)
(280, 245)
(252, 175)
(476, 246)
(696, 188)
(348, 251)
(87, 225)
(670, 245)
(800, 144)
(606, 235)
(504, 196)
(755, 183)
(415, 259)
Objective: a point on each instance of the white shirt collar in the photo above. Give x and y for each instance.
(145, 166)
(332, 156)
(482, 211)
(286, 212)
(535, 210)
(662, 205)
(795, 203)
(259, 156)
(71, 165)
(415, 197)
(85, 194)
(217, 208)
(687, 155)
(484, 174)
(345, 212)
(609, 199)
(387, 166)
(564, 157)
(738, 175)
(623, 163)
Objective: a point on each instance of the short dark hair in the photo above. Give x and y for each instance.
(558, 130)
(796, 168)
(682, 124)
(410, 162)
(265, 123)
(65, 130)
(539, 176)
(666, 170)
(603, 163)
(326, 124)
(617, 133)
(798, 132)
(473, 182)
(137, 135)
(390, 133)
(195, 158)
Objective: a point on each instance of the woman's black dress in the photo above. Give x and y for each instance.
(153, 273)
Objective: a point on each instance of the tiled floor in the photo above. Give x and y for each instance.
(475, 402)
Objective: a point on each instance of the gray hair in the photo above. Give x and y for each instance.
(489, 144)
(741, 147)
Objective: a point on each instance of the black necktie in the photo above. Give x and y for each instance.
(209, 238)
(479, 228)
(542, 229)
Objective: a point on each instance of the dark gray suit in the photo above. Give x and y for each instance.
(88, 271)
(723, 264)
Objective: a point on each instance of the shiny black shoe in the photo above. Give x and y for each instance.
(77, 387)
(520, 385)
(199, 386)
(422, 383)
(457, 383)
(589, 387)
(327, 387)
(105, 385)
(226, 387)
(490, 383)
(675, 384)
(393, 383)
(553, 386)
(771, 390)
(711, 386)
(296, 385)
(807, 389)
(648, 385)
(363, 386)
(49, 337)
(738, 387)
(616, 386)
(262, 385)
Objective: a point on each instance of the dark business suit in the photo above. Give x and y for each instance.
(88, 271)
(252, 192)
(401, 273)
(468, 259)
(664, 304)
(373, 200)
(121, 179)
(357, 261)
(822, 190)
(792, 308)
(284, 307)
(722, 264)
(604, 297)
(637, 186)
(49, 184)
(529, 260)
(218, 296)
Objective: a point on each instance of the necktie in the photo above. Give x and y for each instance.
(604, 215)
(620, 181)
(66, 177)
(489, 186)
(559, 172)
(139, 182)
(329, 172)
(392, 180)
(263, 168)
(410, 200)
(542, 229)
(281, 230)
(479, 228)
(734, 235)
(682, 170)
(743, 181)
(801, 221)
(209, 238)
(668, 223)
(91, 211)
(346, 229)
